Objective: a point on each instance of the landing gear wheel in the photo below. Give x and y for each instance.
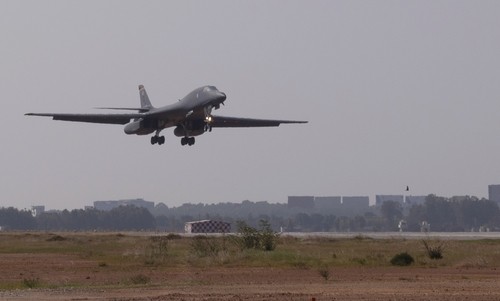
(158, 139)
(187, 141)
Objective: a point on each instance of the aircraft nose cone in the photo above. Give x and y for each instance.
(223, 96)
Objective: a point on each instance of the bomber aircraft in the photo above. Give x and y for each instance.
(191, 116)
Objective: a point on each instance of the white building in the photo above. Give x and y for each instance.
(207, 226)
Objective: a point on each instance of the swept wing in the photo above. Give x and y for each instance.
(92, 118)
(234, 122)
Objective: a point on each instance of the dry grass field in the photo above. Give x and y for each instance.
(131, 266)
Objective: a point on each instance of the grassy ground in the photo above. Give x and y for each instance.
(137, 256)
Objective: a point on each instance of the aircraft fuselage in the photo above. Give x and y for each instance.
(184, 114)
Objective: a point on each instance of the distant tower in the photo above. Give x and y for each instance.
(494, 193)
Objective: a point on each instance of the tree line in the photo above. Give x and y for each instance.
(443, 214)
(124, 218)
(457, 215)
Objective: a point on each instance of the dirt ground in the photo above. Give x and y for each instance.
(74, 278)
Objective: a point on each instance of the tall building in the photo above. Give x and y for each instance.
(356, 203)
(304, 202)
(108, 205)
(411, 200)
(494, 193)
(328, 202)
(379, 199)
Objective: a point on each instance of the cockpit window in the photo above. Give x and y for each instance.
(209, 88)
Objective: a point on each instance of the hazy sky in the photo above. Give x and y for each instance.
(396, 93)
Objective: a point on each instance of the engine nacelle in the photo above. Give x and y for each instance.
(138, 128)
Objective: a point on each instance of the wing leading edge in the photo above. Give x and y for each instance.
(92, 118)
(233, 122)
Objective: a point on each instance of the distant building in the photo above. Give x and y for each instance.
(207, 226)
(304, 202)
(356, 203)
(459, 198)
(37, 210)
(380, 199)
(328, 202)
(411, 200)
(108, 205)
(494, 193)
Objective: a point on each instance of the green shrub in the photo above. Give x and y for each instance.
(56, 238)
(31, 282)
(324, 272)
(140, 279)
(361, 261)
(157, 250)
(268, 238)
(204, 246)
(263, 239)
(249, 236)
(434, 252)
(172, 236)
(402, 259)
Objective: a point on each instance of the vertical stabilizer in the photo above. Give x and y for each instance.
(145, 103)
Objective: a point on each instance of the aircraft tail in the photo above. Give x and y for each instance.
(145, 103)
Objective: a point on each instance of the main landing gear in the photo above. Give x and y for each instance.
(158, 139)
(161, 140)
(187, 140)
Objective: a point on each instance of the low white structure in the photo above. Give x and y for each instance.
(425, 227)
(37, 210)
(207, 226)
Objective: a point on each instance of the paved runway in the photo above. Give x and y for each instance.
(401, 235)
